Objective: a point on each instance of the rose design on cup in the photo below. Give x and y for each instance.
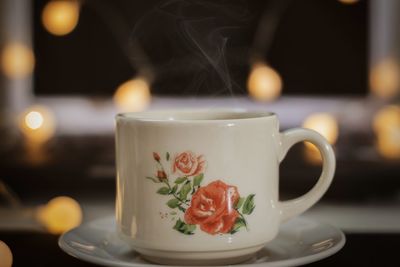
(210, 208)
(216, 208)
(186, 163)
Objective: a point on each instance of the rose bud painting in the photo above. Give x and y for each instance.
(156, 156)
(216, 208)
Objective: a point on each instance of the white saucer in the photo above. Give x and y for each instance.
(300, 241)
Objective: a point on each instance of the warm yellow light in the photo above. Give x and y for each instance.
(60, 17)
(17, 60)
(325, 124)
(386, 118)
(389, 144)
(264, 83)
(60, 215)
(133, 95)
(37, 124)
(6, 257)
(386, 125)
(312, 154)
(349, 2)
(385, 78)
(34, 120)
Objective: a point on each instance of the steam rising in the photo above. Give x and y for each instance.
(193, 44)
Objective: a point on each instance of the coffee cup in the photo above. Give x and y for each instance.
(202, 186)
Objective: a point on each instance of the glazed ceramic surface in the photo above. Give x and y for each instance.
(300, 241)
(203, 185)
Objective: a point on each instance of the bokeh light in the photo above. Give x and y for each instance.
(34, 120)
(17, 60)
(133, 95)
(348, 2)
(60, 17)
(6, 257)
(386, 118)
(388, 144)
(312, 154)
(385, 79)
(60, 215)
(37, 124)
(326, 125)
(386, 125)
(264, 83)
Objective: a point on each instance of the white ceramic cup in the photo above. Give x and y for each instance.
(201, 187)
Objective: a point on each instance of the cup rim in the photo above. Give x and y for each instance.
(195, 115)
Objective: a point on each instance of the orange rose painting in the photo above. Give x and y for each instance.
(217, 208)
(188, 164)
(211, 207)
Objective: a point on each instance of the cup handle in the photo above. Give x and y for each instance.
(294, 207)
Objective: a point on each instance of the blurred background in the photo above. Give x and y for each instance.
(68, 66)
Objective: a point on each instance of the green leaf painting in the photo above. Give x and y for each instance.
(155, 180)
(173, 203)
(163, 191)
(239, 203)
(198, 179)
(184, 228)
(180, 180)
(248, 205)
(239, 223)
(185, 190)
